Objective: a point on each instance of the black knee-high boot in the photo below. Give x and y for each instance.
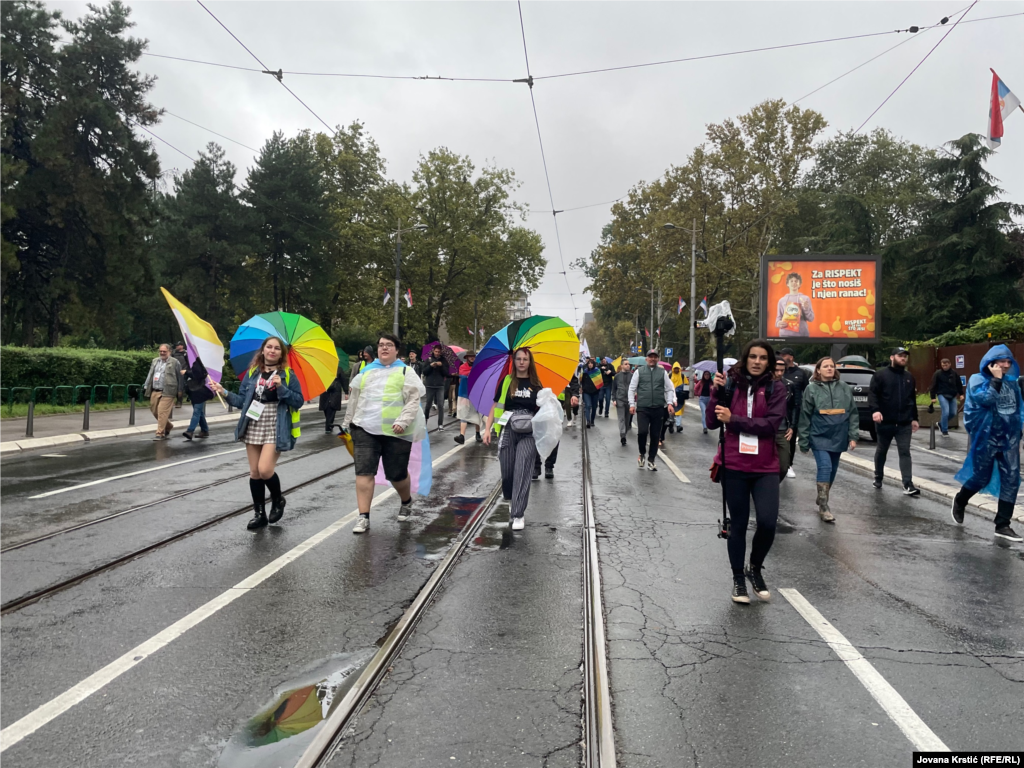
(276, 499)
(258, 489)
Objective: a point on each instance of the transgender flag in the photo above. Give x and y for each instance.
(200, 339)
(1001, 104)
(421, 470)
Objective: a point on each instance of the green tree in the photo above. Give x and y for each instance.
(203, 240)
(472, 248)
(962, 266)
(76, 210)
(287, 193)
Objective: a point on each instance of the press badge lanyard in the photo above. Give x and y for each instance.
(256, 407)
(748, 443)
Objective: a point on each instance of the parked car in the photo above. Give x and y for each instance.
(858, 375)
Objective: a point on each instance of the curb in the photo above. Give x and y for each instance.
(32, 443)
(936, 491)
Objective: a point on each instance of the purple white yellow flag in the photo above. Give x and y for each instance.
(200, 338)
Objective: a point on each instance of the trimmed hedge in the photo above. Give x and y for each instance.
(54, 366)
(1002, 327)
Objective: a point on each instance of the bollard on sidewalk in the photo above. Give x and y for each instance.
(30, 423)
(85, 419)
(931, 437)
(131, 413)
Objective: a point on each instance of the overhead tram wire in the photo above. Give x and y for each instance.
(754, 50)
(197, 125)
(922, 61)
(547, 177)
(266, 70)
(373, 76)
(878, 56)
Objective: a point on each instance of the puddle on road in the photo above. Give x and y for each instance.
(281, 731)
(433, 541)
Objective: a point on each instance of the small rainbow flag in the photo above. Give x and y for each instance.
(421, 470)
(597, 378)
(201, 340)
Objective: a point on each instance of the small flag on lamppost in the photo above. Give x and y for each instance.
(681, 305)
(704, 304)
(1001, 105)
(387, 297)
(408, 296)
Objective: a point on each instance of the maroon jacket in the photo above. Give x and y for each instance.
(768, 417)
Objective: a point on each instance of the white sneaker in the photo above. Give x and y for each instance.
(362, 525)
(404, 511)
(790, 473)
(651, 466)
(518, 523)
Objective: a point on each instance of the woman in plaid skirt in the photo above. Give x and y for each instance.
(270, 397)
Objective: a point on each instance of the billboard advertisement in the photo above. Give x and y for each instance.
(813, 298)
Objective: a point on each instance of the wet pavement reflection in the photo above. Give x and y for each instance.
(281, 731)
(433, 541)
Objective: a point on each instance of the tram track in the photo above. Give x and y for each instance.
(32, 597)
(598, 743)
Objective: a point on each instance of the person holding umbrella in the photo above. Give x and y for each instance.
(269, 398)
(516, 448)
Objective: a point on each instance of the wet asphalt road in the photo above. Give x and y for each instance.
(491, 676)
(697, 680)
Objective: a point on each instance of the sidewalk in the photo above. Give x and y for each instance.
(66, 428)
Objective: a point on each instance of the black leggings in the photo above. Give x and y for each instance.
(740, 487)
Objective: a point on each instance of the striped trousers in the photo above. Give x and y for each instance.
(516, 454)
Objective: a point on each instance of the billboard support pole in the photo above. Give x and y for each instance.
(839, 351)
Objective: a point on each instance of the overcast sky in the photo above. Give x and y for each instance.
(602, 132)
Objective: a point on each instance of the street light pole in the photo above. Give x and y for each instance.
(693, 287)
(693, 283)
(398, 263)
(398, 274)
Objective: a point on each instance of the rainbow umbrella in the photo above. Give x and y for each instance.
(311, 353)
(555, 349)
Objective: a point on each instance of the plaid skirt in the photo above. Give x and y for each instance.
(264, 429)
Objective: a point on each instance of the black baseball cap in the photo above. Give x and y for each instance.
(899, 351)
(653, 353)
(787, 351)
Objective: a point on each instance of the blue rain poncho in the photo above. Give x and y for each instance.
(993, 419)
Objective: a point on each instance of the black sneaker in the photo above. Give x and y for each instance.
(259, 519)
(957, 511)
(739, 590)
(1006, 532)
(549, 474)
(623, 440)
(460, 439)
(878, 482)
(757, 582)
(479, 437)
(536, 474)
(910, 490)
(276, 509)
(405, 511)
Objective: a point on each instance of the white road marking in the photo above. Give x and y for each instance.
(54, 455)
(133, 474)
(57, 706)
(675, 470)
(913, 727)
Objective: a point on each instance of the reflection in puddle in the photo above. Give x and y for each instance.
(433, 541)
(280, 733)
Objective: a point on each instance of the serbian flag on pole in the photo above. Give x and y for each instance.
(387, 296)
(682, 304)
(658, 331)
(408, 296)
(1001, 104)
(704, 304)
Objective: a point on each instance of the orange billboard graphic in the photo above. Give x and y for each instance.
(818, 298)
